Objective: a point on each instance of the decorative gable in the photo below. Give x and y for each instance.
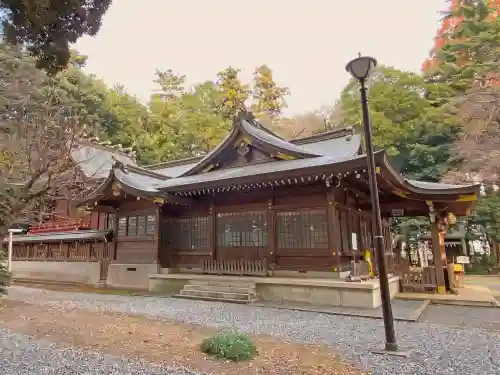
(249, 143)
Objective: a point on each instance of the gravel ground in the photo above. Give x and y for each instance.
(460, 316)
(21, 356)
(435, 349)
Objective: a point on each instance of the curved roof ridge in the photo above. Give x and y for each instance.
(255, 130)
(143, 171)
(331, 134)
(174, 163)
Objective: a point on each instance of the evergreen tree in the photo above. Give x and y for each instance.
(407, 121)
(452, 18)
(268, 97)
(234, 92)
(47, 28)
(469, 57)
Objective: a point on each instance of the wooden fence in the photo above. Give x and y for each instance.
(419, 281)
(235, 267)
(71, 251)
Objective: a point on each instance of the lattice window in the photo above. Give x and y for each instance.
(40, 251)
(150, 225)
(189, 233)
(242, 229)
(122, 226)
(302, 229)
(141, 225)
(132, 226)
(111, 218)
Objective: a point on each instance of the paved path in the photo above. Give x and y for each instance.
(492, 282)
(404, 310)
(436, 349)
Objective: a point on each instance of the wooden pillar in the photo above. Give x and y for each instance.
(157, 235)
(334, 232)
(439, 256)
(212, 233)
(271, 222)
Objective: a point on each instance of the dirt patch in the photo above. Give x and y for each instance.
(164, 342)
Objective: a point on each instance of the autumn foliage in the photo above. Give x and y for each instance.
(445, 31)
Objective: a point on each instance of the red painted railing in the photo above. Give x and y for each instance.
(60, 226)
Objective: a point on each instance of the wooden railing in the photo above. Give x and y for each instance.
(419, 281)
(235, 267)
(73, 251)
(60, 225)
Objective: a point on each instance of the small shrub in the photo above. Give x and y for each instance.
(230, 345)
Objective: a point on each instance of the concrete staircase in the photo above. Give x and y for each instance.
(219, 290)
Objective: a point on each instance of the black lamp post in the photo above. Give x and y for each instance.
(360, 69)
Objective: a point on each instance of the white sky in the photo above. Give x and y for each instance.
(306, 43)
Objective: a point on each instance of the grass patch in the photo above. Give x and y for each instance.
(230, 345)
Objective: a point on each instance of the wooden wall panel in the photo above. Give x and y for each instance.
(128, 251)
(304, 263)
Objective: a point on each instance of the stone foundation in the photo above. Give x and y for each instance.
(320, 291)
(63, 272)
(130, 276)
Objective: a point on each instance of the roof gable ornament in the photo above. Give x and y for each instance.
(246, 129)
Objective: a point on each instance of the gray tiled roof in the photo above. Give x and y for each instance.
(96, 161)
(340, 147)
(138, 181)
(175, 170)
(60, 236)
(274, 140)
(254, 170)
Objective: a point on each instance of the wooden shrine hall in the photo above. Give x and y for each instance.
(281, 219)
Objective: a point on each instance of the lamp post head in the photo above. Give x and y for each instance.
(361, 67)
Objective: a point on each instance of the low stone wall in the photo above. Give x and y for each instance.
(320, 291)
(64, 272)
(131, 276)
(335, 293)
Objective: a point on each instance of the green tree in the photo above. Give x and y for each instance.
(268, 97)
(123, 118)
(488, 215)
(48, 27)
(183, 123)
(234, 92)
(408, 122)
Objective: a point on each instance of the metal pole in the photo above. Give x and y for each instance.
(390, 336)
(9, 255)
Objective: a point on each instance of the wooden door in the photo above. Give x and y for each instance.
(242, 235)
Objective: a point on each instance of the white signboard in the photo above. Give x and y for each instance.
(354, 241)
(463, 259)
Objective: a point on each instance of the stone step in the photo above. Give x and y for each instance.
(212, 299)
(219, 288)
(212, 294)
(229, 283)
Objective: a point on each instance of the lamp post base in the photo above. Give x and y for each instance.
(393, 351)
